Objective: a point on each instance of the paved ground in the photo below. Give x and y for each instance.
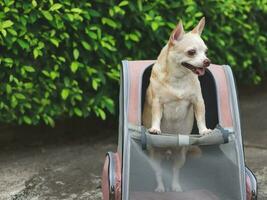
(253, 108)
(65, 163)
(55, 164)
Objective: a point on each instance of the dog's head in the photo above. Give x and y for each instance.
(188, 50)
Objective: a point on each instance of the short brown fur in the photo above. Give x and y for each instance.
(174, 95)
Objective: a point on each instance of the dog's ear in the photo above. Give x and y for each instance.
(199, 28)
(177, 33)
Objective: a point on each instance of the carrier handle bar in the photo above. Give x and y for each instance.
(218, 136)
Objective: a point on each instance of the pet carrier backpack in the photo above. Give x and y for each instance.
(219, 173)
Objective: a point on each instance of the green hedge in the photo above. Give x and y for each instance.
(62, 58)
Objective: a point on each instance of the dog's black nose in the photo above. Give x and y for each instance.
(206, 62)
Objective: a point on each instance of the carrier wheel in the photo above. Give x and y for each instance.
(111, 177)
(251, 185)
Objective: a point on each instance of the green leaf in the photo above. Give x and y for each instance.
(109, 104)
(8, 60)
(56, 6)
(23, 44)
(76, 10)
(62, 59)
(54, 75)
(28, 85)
(49, 120)
(47, 15)
(76, 54)
(74, 66)
(199, 14)
(35, 53)
(95, 84)
(65, 93)
(94, 13)
(78, 112)
(29, 68)
(7, 24)
(12, 31)
(78, 97)
(189, 24)
(109, 22)
(140, 5)
(27, 120)
(154, 26)
(134, 37)
(54, 41)
(46, 73)
(102, 114)
(190, 9)
(8, 89)
(34, 3)
(256, 79)
(92, 35)
(86, 45)
(40, 45)
(19, 96)
(6, 9)
(3, 31)
(70, 16)
(14, 102)
(123, 3)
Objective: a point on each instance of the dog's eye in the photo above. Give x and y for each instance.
(191, 52)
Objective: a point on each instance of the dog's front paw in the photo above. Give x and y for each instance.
(160, 188)
(154, 131)
(176, 187)
(205, 131)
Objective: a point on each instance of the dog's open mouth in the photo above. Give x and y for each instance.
(200, 71)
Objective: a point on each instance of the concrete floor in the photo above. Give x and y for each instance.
(53, 164)
(253, 110)
(39, 163)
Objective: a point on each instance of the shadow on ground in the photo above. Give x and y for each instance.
(66, 162)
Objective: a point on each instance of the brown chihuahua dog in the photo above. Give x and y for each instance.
(174, 95)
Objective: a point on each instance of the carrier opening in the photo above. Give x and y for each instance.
(208, 89)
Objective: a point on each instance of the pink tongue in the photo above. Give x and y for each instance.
(200, 71)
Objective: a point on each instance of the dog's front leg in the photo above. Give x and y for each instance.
(156, 111)
(199, 110)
